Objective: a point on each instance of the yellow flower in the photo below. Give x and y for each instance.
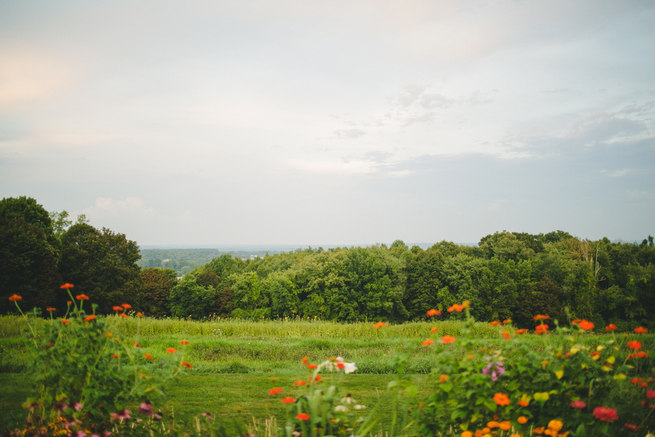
(555, 425)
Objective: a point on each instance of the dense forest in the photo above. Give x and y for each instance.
(507, 275)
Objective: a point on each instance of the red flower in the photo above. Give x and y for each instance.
(66, 285)
(127, 306)
(427, 342)
(187, 365)
(379, 325)
(447, 339)
(117, 308)
(275, 391)
(641, 330)
(123, 315)
(457, 308)
(89, 318)
(139, 314)
(501, 399)
(433, 312)
(288, 400)
(15, 297)
(312, 366)
(148, 357)
(579, 405)
(541, 329)
(650, 394)
(506, 335)
(297, 383)
(495, 323)
(520, 331)
(82, 297)
(605, 414)
(65, 321)
(586, 325)
(541, 317)
(115, 356)
(634, 344)
(302, 416)
(171, 350)
(433, 330)
(318, 378)
(184, 342)
(51, 309)
(610, 327)
(304, 360)
(341, 365)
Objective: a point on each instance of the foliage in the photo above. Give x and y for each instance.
(156, 286)
(188, 299)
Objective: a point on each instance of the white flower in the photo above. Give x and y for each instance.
(340, 408)
(349, 367)
(359, 407)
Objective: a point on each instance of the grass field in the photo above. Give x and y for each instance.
(236, 362)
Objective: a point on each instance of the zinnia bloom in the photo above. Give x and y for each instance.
(171, 350)
(506, 335)
(65, 321)
(555, 425)
(82, 297)
(634, 344)
(51, 309)
(443, 378)
(610, 327)
(586, 325)
(89, 318)
(522, 420)
(379, 325)
(184, 342)
(304, 360)
(501, 399)
(457, 308)
(433, 312)
(302, 416)
(148, 357)
(641, 330)
(275, 391)
(541, 317)
(66, 285)
(447, 339)
(312, 366)
(578, 405)
(541, 329)
(605, 414)
(117, 308)
(427, 342)
(495, 323)
(297, 383)
(123, 315)
(127, 306)
(15, 297)
(288, 400)
(187, 365)
(139, 314)
(520, 331)
(433, 330)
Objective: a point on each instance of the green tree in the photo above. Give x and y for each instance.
(188, 299)
(156, 286)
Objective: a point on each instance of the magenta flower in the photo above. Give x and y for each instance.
(121, 415)
(578, 405)
(146, 409)
(605, 414)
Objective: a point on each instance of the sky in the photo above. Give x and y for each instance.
(346, 122)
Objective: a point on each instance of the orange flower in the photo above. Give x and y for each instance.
(288, 400)
(65, 321)
(522, 420)
(541, 317)
(506, 335)
(184, 342)
(148, 357)
(541, 329)
(586, 325)
(641, 330)
(117, 308)
(302, 416)
(379, 325)
(15, 298)
(51, 309)
(115, 356)
(524, 403)
(135, 344)
(123, 315)
(634, 344)
(610, 327)
(127, 306)
(312, 366)
(433, 312)
(507, 321)
(447, 339)
(520, 331)
(82, 297)
(433, 330)
(304, 360)
(187, 365)
(341, 366)
(66, 285)
(495, 323)
(275, 391)
(457, 308)
(576, 321)
(89, 318)
(501, 399)
(318, 378)
(297, 383)
(171, 350)
(505, 425)
(427, 342)
(139, 314)
(443, 378)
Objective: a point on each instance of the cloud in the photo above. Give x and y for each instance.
(348, 133)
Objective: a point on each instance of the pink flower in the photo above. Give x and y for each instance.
(605, 414)
(650, 394)
(578, 405)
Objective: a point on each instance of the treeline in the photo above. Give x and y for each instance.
(508, 275)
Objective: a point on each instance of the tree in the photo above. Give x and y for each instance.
(28, 253)
(157, 284)
(188, 299)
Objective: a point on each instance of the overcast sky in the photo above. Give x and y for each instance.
(332, 122)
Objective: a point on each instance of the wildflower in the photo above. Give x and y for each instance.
(541, 317)
(610, 327)
(505, 425)
(555, 425)
(90, 318)
(379, 325)
(586, 325)
(117, 308)
(467, 434)
(341, 366)
(507, 321)
(65, 321)
(317, 378)
(650, 394)
(634, 345)
(123, 315)
(187, 365)
(506, 335)
(288, 400)
(433, 312)
(304, 360)
(640, 354)
(495, 323)
(146, 409)
(520, 331)
(312, 366)
(541, 329)
(524, 401)
(632, 426)
(66, 286)
(15, 298)
(447, 339)
(466, 305)
(427, 342)
(457, 308)
(578, 405)
(297, 383)
(171, 350)
(495, 369)
(433, 330)
(522, 420)
(51, 309)
(275, 391)
(135, 344)
(127, 306)
(148, 357)
(115, 356)
(443, 378)
(605, 414)
(139, 314)
(121, 415)
(184, 342)
(595, 355)
(501, 399)
(82, 297)
(302, 416)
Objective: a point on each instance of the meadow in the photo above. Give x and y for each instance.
(407, 375)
